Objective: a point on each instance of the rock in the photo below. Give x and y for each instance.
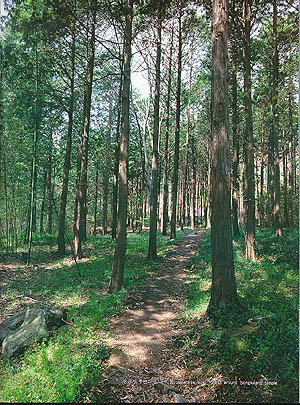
(13, 322)
(10, 324)
(4, 331)
(22, 330)
(55, 317)
(33, 328)
(179, 399)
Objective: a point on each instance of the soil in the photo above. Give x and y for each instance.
(145, 365)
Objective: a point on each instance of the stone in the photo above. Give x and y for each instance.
(34, 328)
(4, 331)
(20, 331)
(10, 324)
(13, 322)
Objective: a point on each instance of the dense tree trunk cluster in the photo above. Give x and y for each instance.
(73, 91)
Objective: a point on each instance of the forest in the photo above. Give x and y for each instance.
(149, 210)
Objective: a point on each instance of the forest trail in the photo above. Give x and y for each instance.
(143, 366)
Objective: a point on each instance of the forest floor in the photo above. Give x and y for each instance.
(152, 342)
(145, 364)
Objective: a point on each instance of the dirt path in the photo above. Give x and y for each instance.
(143, 366)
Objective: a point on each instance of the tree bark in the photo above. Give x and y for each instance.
(223, 291)
(193, 183)
(177, 132)
(116, 163)
(49, 188)
(78, 228)
(275, 168)
(34, 156)
(152, 254)
(164, 216)
(249, 196)
(64, 191)
(43, 201)
(96, 198)
(116, 280)
(235, 146)
(107, 170)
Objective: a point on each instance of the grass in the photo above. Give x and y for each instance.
(70, 364)
(260, 361)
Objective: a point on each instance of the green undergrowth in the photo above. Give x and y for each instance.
(65, 368)
(252, 361)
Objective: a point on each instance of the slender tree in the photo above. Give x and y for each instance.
(235, 145)
(107, 169)
(223, 291)
(249, 192)
(164, 215)
(274, 130)
(152, 254)
(80, 200)
(116, 280)
(66, 170)
(177, 130)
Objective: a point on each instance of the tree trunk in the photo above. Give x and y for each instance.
(275, 168)
(223, 290)
(116, 280)
(185, 172)
(291, 158)
(235, 146)
(152, 254)
(262, 175)
(49, 188)
(43, 201)
(177, 132)
(249, 197)
(164, 216)
(78, 228)
(285, 185)
(34, 156)
(193, 183)
(64, 191)
(116, 164)
(107, 170)
(96, 198)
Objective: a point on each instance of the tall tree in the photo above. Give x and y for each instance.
(66, 170)
(116, 157)
(34, 149)
(249, 192)
(164, 209)
(274, 130)
(223, 291)
(235, 144)
(116, 280)
(177, 129)
(152, 254)
(107, 169)
(80, 200)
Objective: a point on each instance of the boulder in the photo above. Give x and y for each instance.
(36, 325)
(10, 324)
(13, 322)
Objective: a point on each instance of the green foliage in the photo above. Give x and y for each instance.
(228, 344)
